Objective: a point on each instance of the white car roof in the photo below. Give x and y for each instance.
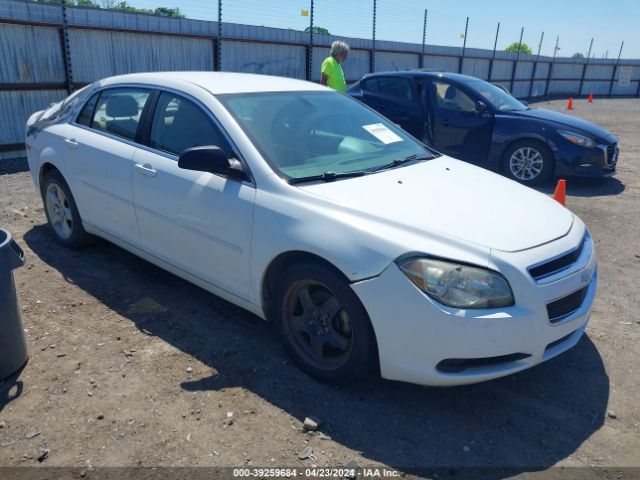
(218, 82)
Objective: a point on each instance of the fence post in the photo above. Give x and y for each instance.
(615, 67)
(372, 53)
(535, 66)
(493, 57)
(584, 68)
(310, 47)
(549, 71)
(217, 59)
(424, 38)
(515, 65)
(66, 53)
(464, 46)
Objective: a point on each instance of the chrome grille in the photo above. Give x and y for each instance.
(565, 306)
(611, 157)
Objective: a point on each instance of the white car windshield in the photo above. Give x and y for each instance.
(303, 135)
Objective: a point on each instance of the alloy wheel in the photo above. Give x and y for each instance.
(59, 211)
(526, 163)
(320, 328)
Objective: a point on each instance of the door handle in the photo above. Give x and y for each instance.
(447, 123)
(146, 169)
(71, 142)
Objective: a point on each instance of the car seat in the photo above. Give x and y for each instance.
(119, 107)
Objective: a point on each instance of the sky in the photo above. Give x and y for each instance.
(608, 22)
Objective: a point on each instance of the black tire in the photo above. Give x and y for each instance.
(335, 319)
(67, 226)
(524, 157)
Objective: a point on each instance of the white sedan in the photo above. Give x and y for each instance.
(367, 250)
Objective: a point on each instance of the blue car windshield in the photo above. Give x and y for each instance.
(497, 97)
(304, 134)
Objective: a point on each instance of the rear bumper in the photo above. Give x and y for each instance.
(420, 341)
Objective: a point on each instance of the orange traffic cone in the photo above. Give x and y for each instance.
(590, 98)
(570, 104)
(560, 193)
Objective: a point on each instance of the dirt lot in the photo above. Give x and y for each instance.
(132, 366)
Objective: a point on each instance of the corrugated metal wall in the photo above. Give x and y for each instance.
(388, 61)
(134, 52)
(264, 58)
(30, 54)
(476, 67)
(17, 106)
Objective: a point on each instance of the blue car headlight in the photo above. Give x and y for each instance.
(457, 285)
(578, 139)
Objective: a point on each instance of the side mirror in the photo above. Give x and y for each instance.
(212, 159)
(481, 107)
(526, 104)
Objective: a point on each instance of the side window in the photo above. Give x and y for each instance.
(451, 97)
(398, 87)
(118, 111)
(179, 124)
(371, 85)
(85, 116)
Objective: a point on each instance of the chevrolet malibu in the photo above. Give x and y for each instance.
(367, 250)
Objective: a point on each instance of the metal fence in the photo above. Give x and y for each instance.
(48, 50)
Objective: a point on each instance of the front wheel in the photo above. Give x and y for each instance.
(323, 325)
(529, 162)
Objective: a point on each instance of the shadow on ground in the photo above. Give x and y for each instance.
(526, 422)
(13, 165)
(587, 187)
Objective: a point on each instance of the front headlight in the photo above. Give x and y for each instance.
(457, 285)
(578, 139)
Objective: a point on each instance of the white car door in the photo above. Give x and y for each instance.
(196, 221)
(101, 146)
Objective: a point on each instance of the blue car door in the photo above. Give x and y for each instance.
(396, 98)
(455, 126)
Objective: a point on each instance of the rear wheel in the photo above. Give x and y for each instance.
(323, 324)
(529, 162)
(62, 212)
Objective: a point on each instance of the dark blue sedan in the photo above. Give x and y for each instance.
(473, 120)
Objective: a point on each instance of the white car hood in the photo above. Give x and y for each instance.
(453, 198)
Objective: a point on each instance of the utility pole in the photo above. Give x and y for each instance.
(615, 67)
(584, 68)
(550, 71)
(464, 46)
(217, 62)
(424, 38)
(535, 66)
(66, 52)
(310, 54)
(493, 57)
(515, 64)
(372, 59)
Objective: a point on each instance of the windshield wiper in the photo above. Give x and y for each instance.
(400, 161)
(327, 177)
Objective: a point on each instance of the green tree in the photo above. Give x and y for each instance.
(577, 55)
(518, 47)
(320, 30)
(168, 12)
(125, 7)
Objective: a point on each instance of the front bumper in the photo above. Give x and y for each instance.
(574, 160)
(415, 333)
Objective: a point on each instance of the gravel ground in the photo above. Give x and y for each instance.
(132, 366)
